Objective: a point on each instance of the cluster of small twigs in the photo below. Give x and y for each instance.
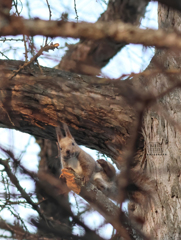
(34, 58)
(48, 184)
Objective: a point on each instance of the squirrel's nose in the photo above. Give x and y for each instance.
(68, 152)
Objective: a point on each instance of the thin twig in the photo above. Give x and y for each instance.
(10, 39)
(151, 72)
(39, 66)
(45, 48)
(4, 55)
(15, 181)
(47, 189)
(50, 14)
(26, 51)
(17, 216)
(17, 232)
(75, 7)
(8, 115)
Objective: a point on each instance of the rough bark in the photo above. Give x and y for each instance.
(163, 162)
(175, 4)
(37, 104)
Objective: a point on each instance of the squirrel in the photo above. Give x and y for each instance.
(72, 156)
(101, 173)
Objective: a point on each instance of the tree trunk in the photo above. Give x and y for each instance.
(163, 146)
(50, 163)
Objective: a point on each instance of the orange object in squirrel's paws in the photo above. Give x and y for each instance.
(70, 180)
(56, 44)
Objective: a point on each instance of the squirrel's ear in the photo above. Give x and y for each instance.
(67, 132)
(59, 133)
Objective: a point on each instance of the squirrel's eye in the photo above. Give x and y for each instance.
(73, 144)
(60, 148)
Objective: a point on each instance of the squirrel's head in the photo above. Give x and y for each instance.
(67, 144)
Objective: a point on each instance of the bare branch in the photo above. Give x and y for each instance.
(75, 8)
(116, 31)
(15, 181)
(26, 51)
(50, 14)
(34, 58)
(47, 116)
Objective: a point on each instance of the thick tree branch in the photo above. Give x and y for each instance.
(34, 58)
(116, 31)
(37, 104)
